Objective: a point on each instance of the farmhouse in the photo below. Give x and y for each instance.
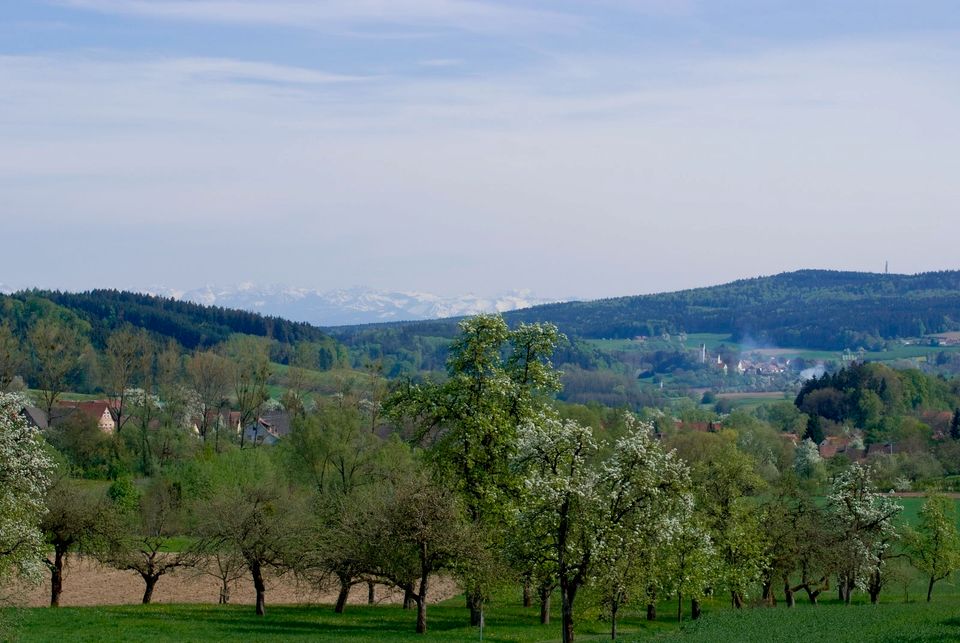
(101, 411)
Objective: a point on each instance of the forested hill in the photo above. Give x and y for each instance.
(820, 309)
(191, 325)
(808, 308)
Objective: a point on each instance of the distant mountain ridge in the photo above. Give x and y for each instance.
(349, 306)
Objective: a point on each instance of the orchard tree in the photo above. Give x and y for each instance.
(142, 533)
(333, 451)
(934, 546)
(724, 484)
(75, 519)
(807, 462)
(580, 508)
(690, 565)
(25, 473)
(796, 542)
(247, 510)
(863, 529)
(416, 529)
(497, 380)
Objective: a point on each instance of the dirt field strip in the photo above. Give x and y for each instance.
(88, 583)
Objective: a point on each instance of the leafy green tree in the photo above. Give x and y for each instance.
(333, 451)
(245, 508)
(796, 543)
(470, 420)
(12, 359)
(415, 529)
(25, 472)
(934, 546)
(724, 484)
(76, 518)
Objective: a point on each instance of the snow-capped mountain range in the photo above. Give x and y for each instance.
(357, 305)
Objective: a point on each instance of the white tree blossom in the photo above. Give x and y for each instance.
(25, 470)
(806, 459)
(585, 511)
(864, 522)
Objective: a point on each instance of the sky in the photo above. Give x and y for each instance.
(578, 149)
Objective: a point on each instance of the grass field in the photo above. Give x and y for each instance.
(362, 624)
(901, 622)
(889, 621)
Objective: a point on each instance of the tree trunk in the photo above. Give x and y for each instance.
(694, 609)
(151, 581)
(527, 593)
(736, 599)
(788, 593)
(475, 603)
(56, 577)
(344, 593)
(929, 589)
(225, 591)
(768, 598)
(568, 594)
(258, 585)
(679, 607)
(545, 593)
(652, 611)
(371, 593)
(422, 605)
(407, 598)
(614, 606)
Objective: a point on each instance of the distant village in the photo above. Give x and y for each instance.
(267, 428)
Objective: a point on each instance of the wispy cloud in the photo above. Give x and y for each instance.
(615, 156)
(481, 16)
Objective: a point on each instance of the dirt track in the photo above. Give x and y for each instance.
(86, 583)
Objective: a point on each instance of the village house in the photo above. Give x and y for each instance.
(268, 429)
(102, 412)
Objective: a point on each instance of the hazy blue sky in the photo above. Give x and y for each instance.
(585, 149)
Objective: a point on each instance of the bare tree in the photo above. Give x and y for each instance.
(251, 371)
(128, 359)
(58, 351)
(140, 539)
(209, 376)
